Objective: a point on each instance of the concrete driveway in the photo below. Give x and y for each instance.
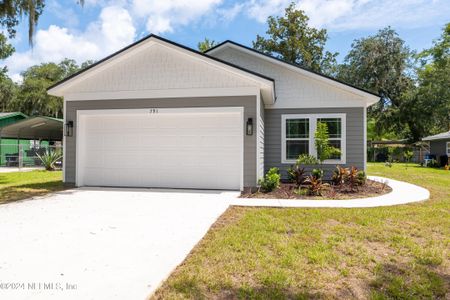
(100, 243)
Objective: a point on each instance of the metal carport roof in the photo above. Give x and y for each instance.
(34, 128)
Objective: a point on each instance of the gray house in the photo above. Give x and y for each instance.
(440, 146)
(158, 114)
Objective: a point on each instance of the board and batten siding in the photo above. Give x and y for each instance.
(354, 136)
(247, 102)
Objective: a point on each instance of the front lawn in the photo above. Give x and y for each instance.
(21, 185)
(400, 252)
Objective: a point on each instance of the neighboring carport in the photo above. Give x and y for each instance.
(45, 131)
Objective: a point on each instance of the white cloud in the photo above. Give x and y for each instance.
(358, 14)
(113, 30)
(164, 16)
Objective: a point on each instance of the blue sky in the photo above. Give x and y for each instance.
(104, 26)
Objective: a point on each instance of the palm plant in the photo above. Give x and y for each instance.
(50, 158)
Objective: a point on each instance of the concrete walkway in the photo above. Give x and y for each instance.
(402, 193)
(15, 169)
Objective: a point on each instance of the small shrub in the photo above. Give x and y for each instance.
(352, 178)
(297, 174)
(271, 180)
(315, 186)
(433, 164)
(339, 175)
(317, 173)
(50, 158)
(306, 159)
(361, 178)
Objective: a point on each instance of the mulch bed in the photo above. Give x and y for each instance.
(289, 191)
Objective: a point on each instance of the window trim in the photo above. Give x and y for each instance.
(312, 128)
(448, 148)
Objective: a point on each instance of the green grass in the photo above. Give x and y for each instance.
(21, 185)
(400, 252)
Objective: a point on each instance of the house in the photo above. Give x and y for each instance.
(440, 147)
(159, 114)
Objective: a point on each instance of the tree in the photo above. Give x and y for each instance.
(206, 44)
(7, 91)
(12, 11)
(32, 97)
(433, 92)
(381, 63)
(322, 143)
(291, 39)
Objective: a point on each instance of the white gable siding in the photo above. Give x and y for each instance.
(159, 68)
(293, 90)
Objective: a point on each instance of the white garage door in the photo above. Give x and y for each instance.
(176, 148)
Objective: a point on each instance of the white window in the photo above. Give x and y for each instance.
(448, 148)
(298, 136)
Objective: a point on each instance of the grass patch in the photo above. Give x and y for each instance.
(400, 252)
(21, 185)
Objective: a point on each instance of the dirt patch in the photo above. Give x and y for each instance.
(290, 191)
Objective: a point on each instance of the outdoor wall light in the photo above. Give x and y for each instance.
(68, 128)
(249, 126)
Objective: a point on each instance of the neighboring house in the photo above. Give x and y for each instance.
(440, 146)
(158, 114)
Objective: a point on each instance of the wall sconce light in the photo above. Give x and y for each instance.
(249, 127)
(68, 128)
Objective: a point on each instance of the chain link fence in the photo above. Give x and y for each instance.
(26, 155)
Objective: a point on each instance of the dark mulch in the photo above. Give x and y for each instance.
(290, 191)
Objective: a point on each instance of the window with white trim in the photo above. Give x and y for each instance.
(448, 148)
(298, 135)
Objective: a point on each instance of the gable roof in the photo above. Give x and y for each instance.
(439, 136)
(304, 70)
(55, 88)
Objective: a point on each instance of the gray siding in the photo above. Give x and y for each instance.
(354, 129)
(439, 147)
(247, 102)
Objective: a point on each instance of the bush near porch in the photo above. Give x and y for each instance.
(400, 252)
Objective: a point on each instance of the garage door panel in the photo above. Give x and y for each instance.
(188, 150)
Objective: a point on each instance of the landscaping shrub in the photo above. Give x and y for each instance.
(296, 172)
(352, 179)
(339, 175)
(433, 164)
(315, 185)
(361, 178)
(271, 180)
(50, 158)
(317, 173)
(322, 143)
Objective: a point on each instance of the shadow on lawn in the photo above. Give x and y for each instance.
(392, 281)
(25, 191)
(409, 281)
(190, 289)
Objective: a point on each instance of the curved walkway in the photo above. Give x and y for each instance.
(402, 193)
